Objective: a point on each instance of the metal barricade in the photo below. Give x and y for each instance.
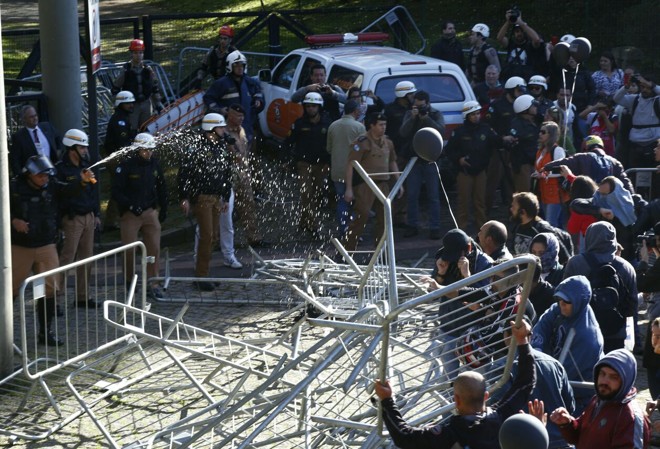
(643, 180)
(36, 402)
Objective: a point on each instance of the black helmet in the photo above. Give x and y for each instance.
(39, 164)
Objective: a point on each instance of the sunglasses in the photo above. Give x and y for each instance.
(543, 131)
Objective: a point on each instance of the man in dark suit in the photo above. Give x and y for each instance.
(33, 140)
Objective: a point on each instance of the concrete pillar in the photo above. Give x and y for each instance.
(60, 62)
(6, 306)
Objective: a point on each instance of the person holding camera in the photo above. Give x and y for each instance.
(421, 115)
(648, 282)
(645, 132)
(602, 122)
(331, 94)
(525, 48)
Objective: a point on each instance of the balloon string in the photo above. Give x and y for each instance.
(563, 76)
(451, 213)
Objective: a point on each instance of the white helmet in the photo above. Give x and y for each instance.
(212, 121)
(513, 82)
(144, 140)
(482, 29)
(75, 137)
(313, 98)
(469, 107)
(404, 88)
(538, 80)
(125, 96)
(523, 103)
(568, 38)
(235, 57)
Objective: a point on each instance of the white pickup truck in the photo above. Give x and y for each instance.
(368, 67)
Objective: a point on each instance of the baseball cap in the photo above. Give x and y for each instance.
(351, 106)
(560, 294)
(454, 245)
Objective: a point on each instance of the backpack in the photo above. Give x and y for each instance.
(605, 288)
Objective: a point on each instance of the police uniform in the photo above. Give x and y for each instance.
(119, 135)
(499, 116)
(375, 156)
(242, 184)
(35, 251)
(204, 179)
(476, 143)
(138, 187)
(142, 82)
(79, 212)
(309, 143)
(524, 152)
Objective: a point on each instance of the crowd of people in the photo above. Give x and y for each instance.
(553, 141)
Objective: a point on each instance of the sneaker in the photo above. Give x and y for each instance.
(233, 263)
(49, 339)
(203, 286)
(155, 293)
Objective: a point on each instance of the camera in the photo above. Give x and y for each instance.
(648, 237)
(556, 170)
(514, 13)
(423, 110)
(229, 140)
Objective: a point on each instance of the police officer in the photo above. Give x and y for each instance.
(500, 114)
(139, 186)
(80, 212)
(375, 152)
(34, 229)
(526, 132)
(308, 140)
(204, 181)
(119, 135)
(470, 148)
(141, 80)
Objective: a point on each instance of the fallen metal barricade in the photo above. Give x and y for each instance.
(34, 403)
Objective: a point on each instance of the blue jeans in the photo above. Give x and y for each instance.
(343, 208)
(446, 351)
(423, 172)
(554, 214)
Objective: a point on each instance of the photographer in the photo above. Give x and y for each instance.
(524, 47)
(332, 95)
(648, 281)
(645, 110)
(421, 115)
(602, 122)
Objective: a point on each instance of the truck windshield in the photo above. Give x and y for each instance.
(443, 88)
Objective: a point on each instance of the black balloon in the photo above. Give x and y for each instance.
(428, 144)
(561, 53)
(580, 49)
(523, 431)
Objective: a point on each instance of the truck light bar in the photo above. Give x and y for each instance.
(347, 38)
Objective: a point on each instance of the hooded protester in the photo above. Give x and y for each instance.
(612, 418)
(600, 249)
(612, 202)
(569, 332)
(545, 246)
